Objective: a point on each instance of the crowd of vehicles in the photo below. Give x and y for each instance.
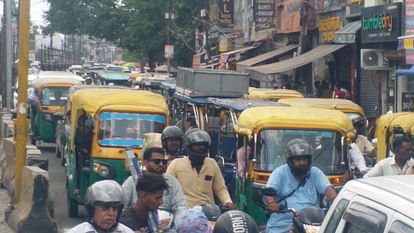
(93, 125)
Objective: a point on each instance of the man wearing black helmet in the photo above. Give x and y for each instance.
(172, 140)
(199, 176)
(297, 184)
(235, 221)
(104, 203)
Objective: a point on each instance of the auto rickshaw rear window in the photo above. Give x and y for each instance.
(127, 129)
(54, 96)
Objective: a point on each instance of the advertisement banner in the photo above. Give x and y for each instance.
(169, 51)
(409, 30)
(381, 23)
(327, 29)
(226, 11)
(264, 12)
(292, 16)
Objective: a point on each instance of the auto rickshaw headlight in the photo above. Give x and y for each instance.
(103, 170)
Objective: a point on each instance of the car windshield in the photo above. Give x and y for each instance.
(127, 129)
(271, 149)
(54, 96)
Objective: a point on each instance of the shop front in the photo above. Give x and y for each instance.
(380, 29)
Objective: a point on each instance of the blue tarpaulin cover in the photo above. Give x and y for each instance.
(408, 72)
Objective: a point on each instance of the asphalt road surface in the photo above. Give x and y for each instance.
(58, 193)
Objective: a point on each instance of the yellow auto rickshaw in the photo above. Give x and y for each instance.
(272, 94)
(351, 109)
(47, 99)
(387, 126)
(269, 129)
(103, 123)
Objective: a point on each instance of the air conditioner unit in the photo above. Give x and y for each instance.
(373, 59)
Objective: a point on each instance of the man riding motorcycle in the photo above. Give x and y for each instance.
(297, 184)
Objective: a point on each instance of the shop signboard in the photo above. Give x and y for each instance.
(409, 30)
(407, 101)
(381, 23)
(169, 51)
(264, 12)
(327, 29)
(292, 15)
(226, 11)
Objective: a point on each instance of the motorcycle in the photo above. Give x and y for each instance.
(306, 220)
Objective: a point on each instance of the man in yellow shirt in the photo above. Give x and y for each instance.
(200, 177)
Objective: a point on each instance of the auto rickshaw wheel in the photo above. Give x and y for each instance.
(72, 207)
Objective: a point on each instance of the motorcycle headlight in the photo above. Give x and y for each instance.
(103, 170)
(48, 116)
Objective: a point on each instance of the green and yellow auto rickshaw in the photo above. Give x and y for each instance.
(269, 129)
(103, 123)
(387, 126)
(51, 93)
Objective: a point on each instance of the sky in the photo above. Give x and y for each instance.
(37, 9)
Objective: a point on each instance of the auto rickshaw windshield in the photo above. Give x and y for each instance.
(54, 96)
(271, 149)
(127, 129)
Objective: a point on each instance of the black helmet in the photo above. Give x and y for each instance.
(235, 221)
(195, 136)
(212, 211)
(104, 192)
(298, 148)
(171, 132)
(359, 124)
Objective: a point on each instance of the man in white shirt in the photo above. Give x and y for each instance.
(398, 164)
(357, 158)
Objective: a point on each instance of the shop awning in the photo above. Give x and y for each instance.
(225, 56)
(295, 62)
(347, 34)
(241, 66)
(209, 66)
(408, 72)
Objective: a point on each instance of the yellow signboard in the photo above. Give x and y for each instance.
(328, 27)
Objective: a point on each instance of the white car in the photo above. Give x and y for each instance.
(377, 205)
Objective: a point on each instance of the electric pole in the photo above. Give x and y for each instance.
(7, 62)
(21, 131)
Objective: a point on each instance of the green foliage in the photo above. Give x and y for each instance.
(137, 25)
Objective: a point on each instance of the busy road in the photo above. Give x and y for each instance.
(58, 193)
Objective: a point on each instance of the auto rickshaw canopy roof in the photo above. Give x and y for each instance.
(342, 105)
(113, 76)
(56, 81)
(253, 119)
(266, 93)
(95, 99)
(240, 104)
(91, 99)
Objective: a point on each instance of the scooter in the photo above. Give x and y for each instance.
(307, 220)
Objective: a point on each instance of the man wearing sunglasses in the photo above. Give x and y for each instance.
(155, 161)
